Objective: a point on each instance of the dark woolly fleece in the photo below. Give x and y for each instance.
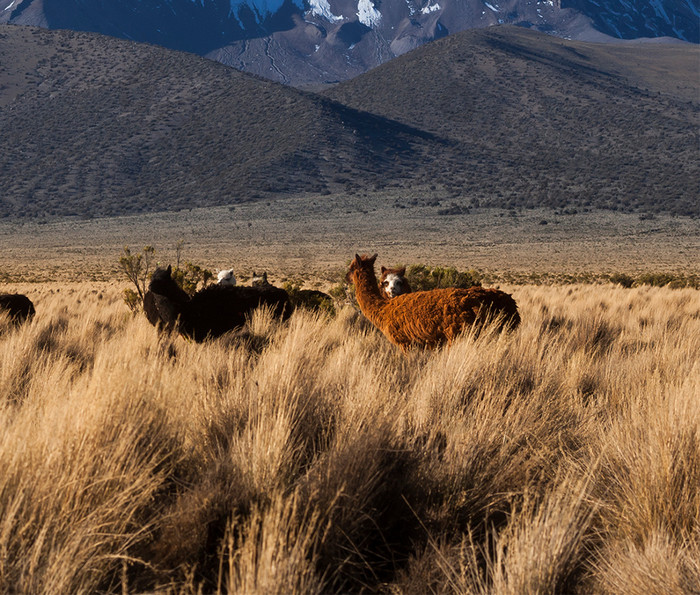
(210, 312)
(18, 306)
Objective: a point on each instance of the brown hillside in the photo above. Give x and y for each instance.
(93, 125)
(543, 121)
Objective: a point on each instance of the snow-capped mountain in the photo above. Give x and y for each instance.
(629, 19)
(308, 42)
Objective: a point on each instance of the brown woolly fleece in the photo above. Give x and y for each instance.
(427, 318)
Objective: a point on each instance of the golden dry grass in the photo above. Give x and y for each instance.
(311, 456)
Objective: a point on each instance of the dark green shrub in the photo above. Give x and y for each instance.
(309, 298)
(622, 279)
(424, 278)
(671, 280)
(655, 279)
(191, 276)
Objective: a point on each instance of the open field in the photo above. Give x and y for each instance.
(312, 457)
(314, 238)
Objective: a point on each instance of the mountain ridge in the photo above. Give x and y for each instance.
(587, 121)
(96, 126)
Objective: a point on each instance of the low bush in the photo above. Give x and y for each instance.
(425, 278)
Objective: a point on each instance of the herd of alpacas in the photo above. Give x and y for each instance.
(408, 319)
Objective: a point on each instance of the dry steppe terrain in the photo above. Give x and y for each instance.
(313, 239)
(312, 457)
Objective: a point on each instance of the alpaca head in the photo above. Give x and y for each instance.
(226, 277)
(360, 264)
(393, 282)
(161, 279)
(259, 280)
(163, 283)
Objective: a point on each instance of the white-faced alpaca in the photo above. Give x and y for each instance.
(428, 318)
(393, 282)
(17, 306)
(226, 277)
(212, 311)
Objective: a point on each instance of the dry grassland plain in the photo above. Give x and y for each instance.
(311, 456)
(315, 237)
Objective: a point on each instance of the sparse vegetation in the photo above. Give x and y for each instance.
(560, 458)
(425, 278)
(192, 277)
(137, 269)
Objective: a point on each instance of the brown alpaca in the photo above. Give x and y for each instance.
(393, 282)
(428, 318)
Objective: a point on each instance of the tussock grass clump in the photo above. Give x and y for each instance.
(310, 456)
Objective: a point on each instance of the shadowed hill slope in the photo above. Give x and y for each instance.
(543, 121)
(93, 125)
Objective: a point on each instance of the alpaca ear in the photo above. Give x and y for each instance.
(265, 276)
(357, 257)
(402, 272)
(170, 270)
(384, 269)
(373, 258)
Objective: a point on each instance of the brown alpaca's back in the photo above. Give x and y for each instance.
(427, 318)
(430, 318)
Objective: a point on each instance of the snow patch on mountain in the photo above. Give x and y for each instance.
(321, 8)
(431, 8)
(367, 14)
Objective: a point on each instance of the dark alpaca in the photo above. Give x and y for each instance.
(428, 318)
(260, 280)
(212, 311)
(18, 307)
(311, 299)
(165, 301)
(217, 309)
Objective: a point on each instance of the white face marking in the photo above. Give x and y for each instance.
(393, 285)
(226, 277)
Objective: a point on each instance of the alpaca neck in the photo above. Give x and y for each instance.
(367, 294)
